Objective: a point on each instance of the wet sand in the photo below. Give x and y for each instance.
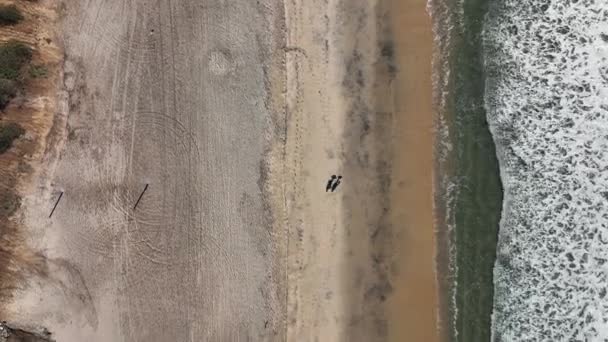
(413, 309)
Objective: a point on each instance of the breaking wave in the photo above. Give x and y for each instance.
(547, 103)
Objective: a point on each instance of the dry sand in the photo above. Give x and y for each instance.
(236, 114)
(170, 93)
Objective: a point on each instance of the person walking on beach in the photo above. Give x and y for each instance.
(329, 183)
(336, 183)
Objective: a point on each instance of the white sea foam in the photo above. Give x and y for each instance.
(547, 101)
(444, 188)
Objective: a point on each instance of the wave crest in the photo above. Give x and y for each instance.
(547, 104)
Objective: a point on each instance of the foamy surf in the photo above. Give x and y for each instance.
(547, 103)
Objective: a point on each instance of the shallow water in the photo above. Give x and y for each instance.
(547, 103)
(469, 193)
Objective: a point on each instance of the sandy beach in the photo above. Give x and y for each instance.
(233, 116)
(163, 94)
(361, 260)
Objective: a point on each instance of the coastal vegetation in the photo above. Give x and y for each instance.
(10, 15)
(17, 79)
(9, 203)
(7, 91)
(14, 56)
(38, 71)
(9, 133)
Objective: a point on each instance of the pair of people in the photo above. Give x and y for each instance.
(333, 183)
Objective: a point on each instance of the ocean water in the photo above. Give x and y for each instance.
(468, 190)
(546, 98)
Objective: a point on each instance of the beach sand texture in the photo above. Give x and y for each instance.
(362, 259)
(169, 94)
(236, 114)
(414, 306)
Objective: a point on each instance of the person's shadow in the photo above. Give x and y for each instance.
(336, 183)
(329, 183)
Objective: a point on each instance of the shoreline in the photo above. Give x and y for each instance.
(443, 166)
(442, 16)
(474, 191)
(413, 216)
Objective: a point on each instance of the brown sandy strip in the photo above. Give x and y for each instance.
(361, 264)
(413, 308)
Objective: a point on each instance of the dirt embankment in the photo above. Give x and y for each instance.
(32, 107)
(13, 334)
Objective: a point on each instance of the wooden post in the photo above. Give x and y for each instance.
(56, 203)
(140, 196)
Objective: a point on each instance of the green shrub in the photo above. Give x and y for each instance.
(10, 15)
(13, 56)
(38, 71)
(8, 134)
(7, 91)
(9, 203)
